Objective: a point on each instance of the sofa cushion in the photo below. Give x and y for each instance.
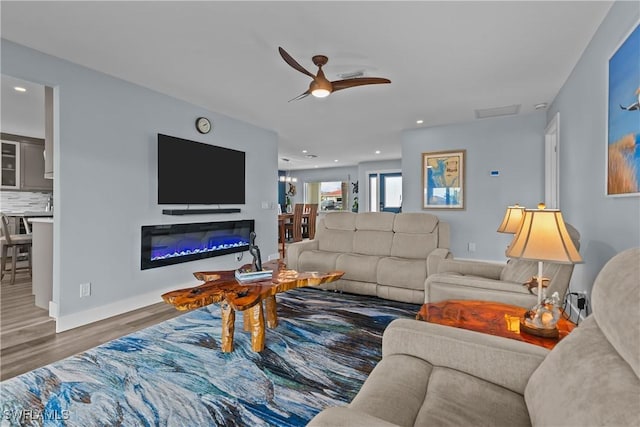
(340, 221)
(456, 398)
(395, 389)
(415, 223)
(415, 235)
(317, 261)
(401, 272)
(358, 267)
(616, 302)
(368, 242)
(378, 221)
(598, 388)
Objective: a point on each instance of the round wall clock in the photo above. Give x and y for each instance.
(203, 125)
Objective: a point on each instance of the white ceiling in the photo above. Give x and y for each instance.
(445, 60)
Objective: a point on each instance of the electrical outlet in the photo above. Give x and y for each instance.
(85, 289)
(472, 247)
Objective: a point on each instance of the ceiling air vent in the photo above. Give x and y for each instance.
(509, 110)
(351, 75)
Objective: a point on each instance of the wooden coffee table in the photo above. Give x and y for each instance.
(222, 287)
(488, 317)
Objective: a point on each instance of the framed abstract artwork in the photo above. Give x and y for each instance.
(443, 175)
(623, 126)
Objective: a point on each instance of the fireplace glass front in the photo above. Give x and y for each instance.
(176, 243)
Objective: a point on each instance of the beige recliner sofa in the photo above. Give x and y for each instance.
(382, 254)
(477, 280)
(438, 375)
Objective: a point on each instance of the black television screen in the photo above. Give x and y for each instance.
(191, 172)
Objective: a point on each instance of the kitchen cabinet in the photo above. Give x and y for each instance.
(23, 164)
(32, 168)
(10, 165)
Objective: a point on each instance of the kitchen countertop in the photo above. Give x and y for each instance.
(44, 220)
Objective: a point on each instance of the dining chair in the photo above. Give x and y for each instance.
(295, 226)
(16, 242)
(309, 222)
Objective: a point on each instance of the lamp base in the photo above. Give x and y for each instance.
(539, 332)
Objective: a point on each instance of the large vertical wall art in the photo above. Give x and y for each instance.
(443, 180)
(623, 137)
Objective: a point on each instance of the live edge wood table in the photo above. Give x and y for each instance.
(222, 287)
(488, 317)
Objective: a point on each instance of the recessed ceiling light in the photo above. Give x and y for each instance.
(377, 151)
(540, 106)
(19, 89)
(336, 160)
(315, 166)
(419, 122)
(304, 151)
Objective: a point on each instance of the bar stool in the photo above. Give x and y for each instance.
(15, 241)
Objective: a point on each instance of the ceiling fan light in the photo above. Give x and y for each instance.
(320, 93)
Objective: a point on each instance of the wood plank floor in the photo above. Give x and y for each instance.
(27, 329)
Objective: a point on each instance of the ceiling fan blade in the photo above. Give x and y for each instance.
(302, 95)
(358, 81)
(292, 62)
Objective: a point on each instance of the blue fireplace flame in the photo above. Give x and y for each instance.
(165, 247)
(171, 244)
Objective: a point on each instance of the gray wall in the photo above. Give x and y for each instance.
(512, 145)
(105, 185)
(607, 225)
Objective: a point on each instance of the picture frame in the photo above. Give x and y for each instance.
(443, 179)
(623, 118)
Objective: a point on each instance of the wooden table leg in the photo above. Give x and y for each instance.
(256, 319)
(272, 311)
(228, 321)
(246, 321)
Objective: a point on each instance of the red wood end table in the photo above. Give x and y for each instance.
(489, 317)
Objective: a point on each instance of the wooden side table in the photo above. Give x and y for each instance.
(493, 318)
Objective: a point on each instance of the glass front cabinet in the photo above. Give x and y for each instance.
(10, 165)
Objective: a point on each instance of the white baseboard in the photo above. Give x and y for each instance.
(74, 320)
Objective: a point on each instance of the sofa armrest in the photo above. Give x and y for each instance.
(445, 286)
(346, 417)
(502, 361)
(435, 258)
(473, 268)
(295, 249)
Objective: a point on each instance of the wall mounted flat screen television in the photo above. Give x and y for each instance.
(191, 172)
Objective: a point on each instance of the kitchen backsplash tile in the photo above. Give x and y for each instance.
(23, 201)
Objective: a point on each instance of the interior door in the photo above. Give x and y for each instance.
(391, 192)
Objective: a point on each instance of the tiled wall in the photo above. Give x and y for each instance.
(23, 201)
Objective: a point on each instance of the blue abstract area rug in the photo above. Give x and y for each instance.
(174, 374)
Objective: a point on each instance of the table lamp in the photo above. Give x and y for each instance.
(512, 219)
(543, 236)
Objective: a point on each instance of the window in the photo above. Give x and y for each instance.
(329, 195)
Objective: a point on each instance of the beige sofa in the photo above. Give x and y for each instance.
(477, 280)
(382, 254)
(438, 375)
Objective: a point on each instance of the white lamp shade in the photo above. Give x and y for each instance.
(512, 219)
(543, 236)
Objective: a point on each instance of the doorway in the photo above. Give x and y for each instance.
(385, 192)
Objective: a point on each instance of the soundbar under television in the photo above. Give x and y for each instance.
(192, 172)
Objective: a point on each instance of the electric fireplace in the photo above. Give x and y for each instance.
(169, 244)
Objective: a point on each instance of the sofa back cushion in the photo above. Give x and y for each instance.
(335, 232)
(601, 386)
(415, 235)
(374, 233)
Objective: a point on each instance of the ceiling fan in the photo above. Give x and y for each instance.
(320, 87)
